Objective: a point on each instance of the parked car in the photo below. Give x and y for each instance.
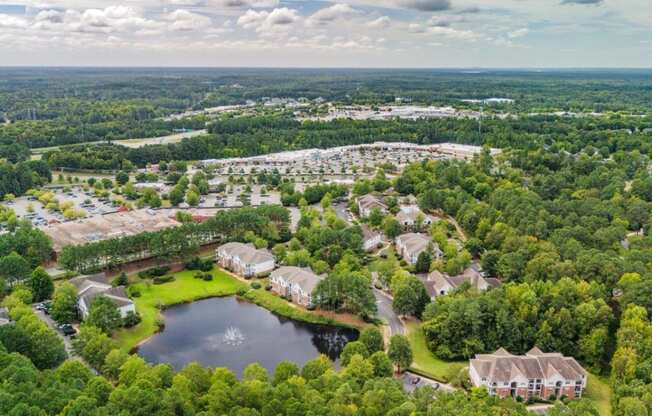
(67, 329)
(415, 380)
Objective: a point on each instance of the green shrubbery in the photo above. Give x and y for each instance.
(159, 280)
(154, 272)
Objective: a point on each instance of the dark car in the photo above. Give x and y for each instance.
(67, 329)
(415, 380)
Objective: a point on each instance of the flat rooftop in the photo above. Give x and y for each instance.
(104, 227)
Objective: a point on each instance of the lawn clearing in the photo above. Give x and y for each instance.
(425, 362)
(184, 289)
(598, 391)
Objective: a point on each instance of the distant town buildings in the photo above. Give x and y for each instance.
(296, 283)
(90, 287)
(535, 375)
(244, 259)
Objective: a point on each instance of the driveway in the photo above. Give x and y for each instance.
(342, 211)
(409, 386)
(67, 342)
(387, 314)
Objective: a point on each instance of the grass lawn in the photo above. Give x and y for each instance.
(184, 289)
(598, 391)
(424, 361)
(279, 306)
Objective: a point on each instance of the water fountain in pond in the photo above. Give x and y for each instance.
(233, 337)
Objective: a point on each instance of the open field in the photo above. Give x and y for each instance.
(599, 392)
(424, 361)
(184, 289)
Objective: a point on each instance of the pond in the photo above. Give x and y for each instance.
(226, 332)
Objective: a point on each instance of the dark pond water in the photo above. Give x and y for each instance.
(225, 332)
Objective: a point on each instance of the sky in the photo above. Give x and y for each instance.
(346, 33)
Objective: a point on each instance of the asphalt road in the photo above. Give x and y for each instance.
(387, 314)
(50, 322)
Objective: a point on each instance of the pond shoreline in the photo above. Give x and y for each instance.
(199, 331)
(186, 289)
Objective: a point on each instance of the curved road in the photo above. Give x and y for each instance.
(387, 314)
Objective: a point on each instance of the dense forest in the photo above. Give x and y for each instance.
(255, 135)
(48, 108)
(569, 236)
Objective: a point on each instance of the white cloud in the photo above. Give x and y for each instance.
(265, 22)
(518, 33)
(454, 33)
(183, 21)
(415, 28)
(243, 4)
(380, 23)
(7, 21)
(445, 21)
(330, 14)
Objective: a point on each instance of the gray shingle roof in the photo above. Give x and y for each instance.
(246, 252)
(503, 367)
(305, 278)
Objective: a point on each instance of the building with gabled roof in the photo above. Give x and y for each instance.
(442, 284)
(533, 375)
(297, 283)
(92, 286)
(367, 203)
(371, 239)
(408, 214)
(410, 245)
(245, 259)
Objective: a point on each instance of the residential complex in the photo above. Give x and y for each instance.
(296, 283)
(533, 375)
(410, 245)
(371, 239)
(442, 284)
(409, 214)
(90, 287)
(245, 259)
(368, 203)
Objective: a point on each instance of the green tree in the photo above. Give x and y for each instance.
(103, 314)
(122, 177)
(372, 339)
(64, 304)
(423, 262)
(41, 285)
(14, 268)
(392, 227)
(351, 349)
(400, 352)
(382, 364)
(192, 198)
